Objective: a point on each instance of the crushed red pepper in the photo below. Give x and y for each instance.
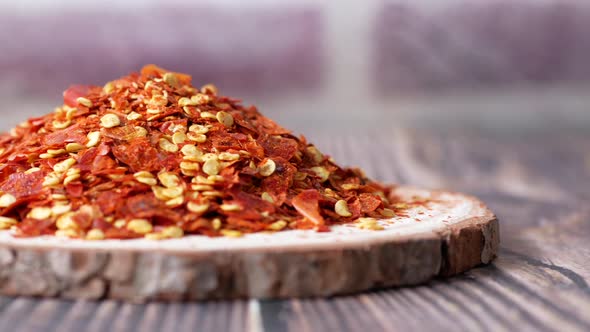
(149, 155)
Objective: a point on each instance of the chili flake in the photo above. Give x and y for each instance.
(149, 155)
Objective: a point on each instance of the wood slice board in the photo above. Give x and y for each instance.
(455, 233)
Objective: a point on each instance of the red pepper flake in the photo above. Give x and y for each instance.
(151, 155)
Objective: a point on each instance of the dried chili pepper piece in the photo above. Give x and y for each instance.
(307, 204)
(150, 151)
(74, 92)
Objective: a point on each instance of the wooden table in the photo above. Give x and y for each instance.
(539, 186)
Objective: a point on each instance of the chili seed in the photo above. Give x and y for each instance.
(197, 208)
(341, 208)
(277, 225)
(200, 99)
(199, 129)
(7, 223)
(225, 118)
(167, 146)
(210, 89)
(7, 200)
(211, 167)
(267, 167)
(230, 233)
(140, 226)
(230, 207)
(172, 232)
(84, 102)
(388, 213)
(32, 170)
(60, 209)
(321, 172)
(216, 223)
(51, 179)
(267, 197)
(74, 147)
(229, 156)
(199, 138)
(63, 166)
(208, 115)
(369, 224)
(93, 139)
(170, 79)
(176, 201)
(110, 120)
(65, 221)
(145, 178)
(133, 116)
(315, 154)
(40, 213)
(178, 138)
(95, 234)
(61, 125)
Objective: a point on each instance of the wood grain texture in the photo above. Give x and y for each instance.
(455, 233)
(540, 282)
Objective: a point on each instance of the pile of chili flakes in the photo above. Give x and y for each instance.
(149, 155)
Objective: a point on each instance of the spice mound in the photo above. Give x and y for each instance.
(149, 155)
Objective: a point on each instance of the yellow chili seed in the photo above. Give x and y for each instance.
(93, 139)
(167, 146)
(321, 172)
(201, 99)
(84, 101)
(51, 179)
(71, 178)
(58, 210)
(169, 179)
(176, 201)
(229, 156)
(277, 225)
(110, 120)
(74, 147)
(216, 223)
(172, 232)
(209, 88)
(230, 233)
(133, 116)
(230, 207)
(154, 236)
(95, 234)
(65, 221)
(7, 200)
(171, 79)
(7, 223)
(267, 197)
(341, 208)
(40, 213)
(388, 213)
(211, 167)
(140, 226)
(32, 170)
(267, 167)
(225, 118)
(63, 166)
(198, 129)
(178, 137)
(61, 125)
(197, 208)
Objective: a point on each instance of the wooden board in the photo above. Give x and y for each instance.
(449, 235)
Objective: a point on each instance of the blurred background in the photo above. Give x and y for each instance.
(319, 66)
